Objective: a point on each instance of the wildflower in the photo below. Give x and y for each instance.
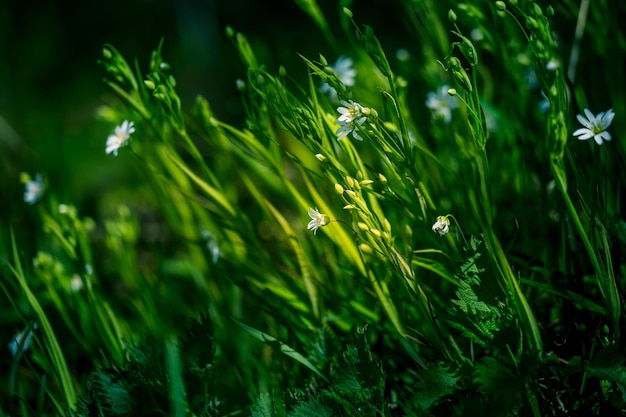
(22, 341)
(76, 283)
(34, 190)
(595, 126)
(211, 244)
(552, 65)
(442, 103)
(318, 220)
(442, 225)
(344, 72)
(352, 116)
(119, 139)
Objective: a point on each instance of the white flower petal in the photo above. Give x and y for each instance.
(584, 121)
(583, 134)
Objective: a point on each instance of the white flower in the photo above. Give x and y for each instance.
(442, 225)
(119, 139)
(211, 245)
(595, 126)
(352, 116)
(22, 341)
(34, 190)
(442, 103)
(344, 72)
(318, 220)
(76, 283)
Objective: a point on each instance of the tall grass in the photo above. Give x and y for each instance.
(413, 236)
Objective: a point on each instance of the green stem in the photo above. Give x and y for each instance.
(608, 287)
(514, 291)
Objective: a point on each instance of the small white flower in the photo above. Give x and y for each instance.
(442, 225)
(317, 220)
(595, 126)
(76, 283)
(442, 103)
(552, 65)
(119, 139)
(320, 157)
(211, 244)
(22, 341)
(344, 72)
(34, 190)
(352, 116)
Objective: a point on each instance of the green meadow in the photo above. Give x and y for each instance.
(314, 208)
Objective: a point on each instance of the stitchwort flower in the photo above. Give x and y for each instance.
(34, 190)
(352, 116)
(442, 225)
(344, 72)
(595, 126)
(317, 220)
(442, 103)
(121, 136)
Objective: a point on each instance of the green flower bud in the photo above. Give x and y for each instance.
(501, 6)
(451, 16)
(149, 84)
(347, 12)
(106, 53)
(362, 226)
(549, 11)
(230, 32)
(323, 60)
(365, 248)
(339, 189)
(282, 71)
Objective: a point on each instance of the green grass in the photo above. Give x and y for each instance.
(466, 259)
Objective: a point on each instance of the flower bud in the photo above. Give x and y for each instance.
(451, 16)
(339, 189)
(320, 157)
(365, 248)
(501, 6)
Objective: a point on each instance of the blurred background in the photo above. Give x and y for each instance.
(51, 83)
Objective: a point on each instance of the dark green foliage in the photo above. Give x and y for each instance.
(434, 384)
(141, 385)
(478, 320)
(356, 388)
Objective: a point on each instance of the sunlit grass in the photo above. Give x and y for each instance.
(408, 232)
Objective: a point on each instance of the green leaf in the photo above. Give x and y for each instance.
(434, 384)
(287, 350)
